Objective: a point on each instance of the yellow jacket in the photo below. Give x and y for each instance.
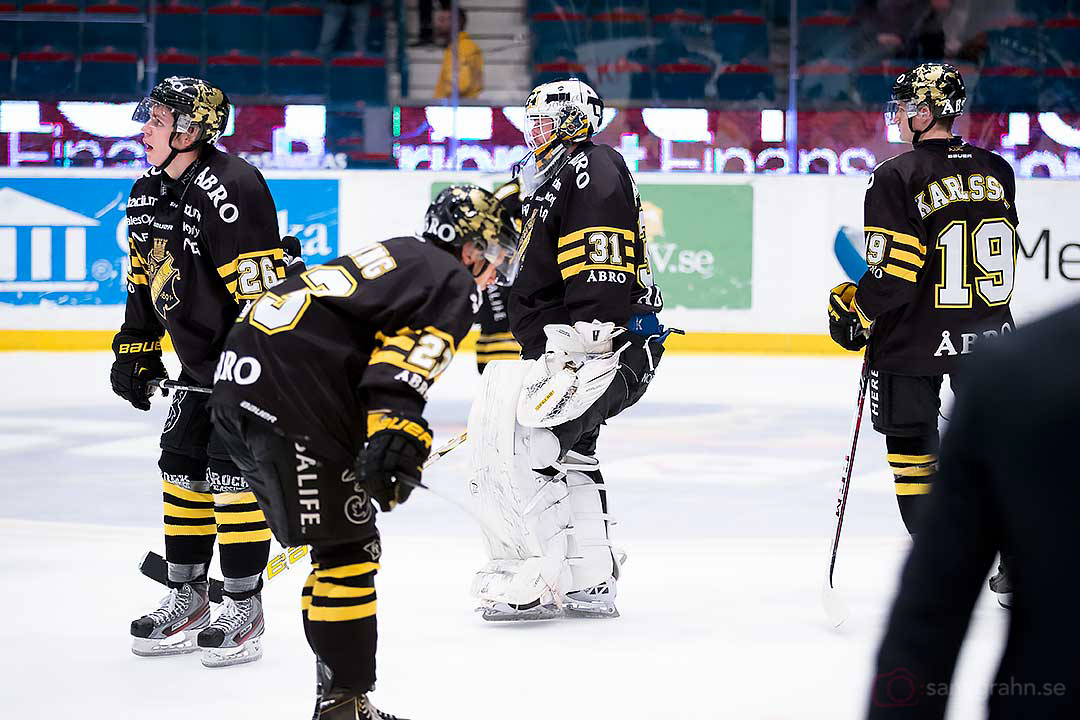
(470, 66)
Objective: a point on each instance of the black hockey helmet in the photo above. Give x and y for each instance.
(194, 103)
(938, 86)
(468, 213)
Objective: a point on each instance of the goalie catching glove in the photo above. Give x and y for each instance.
(848, 327)
(395, 452)
(137, 363)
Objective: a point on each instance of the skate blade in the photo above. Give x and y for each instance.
(179, 644)
(226, 657)
(541, 612)
(592, 613)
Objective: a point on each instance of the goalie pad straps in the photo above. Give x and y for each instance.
(588, 545)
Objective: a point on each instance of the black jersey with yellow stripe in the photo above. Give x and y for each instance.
(583, 250)
(199, 246)
(367, 331)
(940, 231)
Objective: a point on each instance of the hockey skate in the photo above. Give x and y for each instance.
(1002, 586)
(235, 636)
(503, 612)
(172, 628)
(342, 704)
(597, 601)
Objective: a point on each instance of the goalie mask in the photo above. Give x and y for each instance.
(466, 213)
(557, 115)
(193, 103)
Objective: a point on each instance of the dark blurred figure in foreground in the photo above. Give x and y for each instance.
(909, 29)
(1007, 479)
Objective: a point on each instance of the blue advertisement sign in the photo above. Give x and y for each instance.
(64, 240)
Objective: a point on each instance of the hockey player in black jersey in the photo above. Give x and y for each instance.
(583, 306)
(941, 248)
(320, 394)
(495, 341)
(203, 238)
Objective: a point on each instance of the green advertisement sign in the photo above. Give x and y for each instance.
(701, 240)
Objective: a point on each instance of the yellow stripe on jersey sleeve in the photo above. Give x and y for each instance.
(907, 257)
(902, 238)
(902, 273)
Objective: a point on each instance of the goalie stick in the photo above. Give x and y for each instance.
(836, 609)
(156, 568)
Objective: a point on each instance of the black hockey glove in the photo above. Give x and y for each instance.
(396, 448)
(845, 325)
(138, 361)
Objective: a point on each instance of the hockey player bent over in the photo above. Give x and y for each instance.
(203, 238)
(320, 396)
(583, 306)
(941, 248)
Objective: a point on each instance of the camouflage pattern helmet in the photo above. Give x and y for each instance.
(939, 86)
(194, 102)
(467, 213)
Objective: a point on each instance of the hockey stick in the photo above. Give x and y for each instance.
(156, 568)
(165, 385)
(836, 609)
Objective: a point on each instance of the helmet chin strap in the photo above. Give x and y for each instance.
(916, 135)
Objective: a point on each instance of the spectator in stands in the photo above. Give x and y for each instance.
(470, 59)
(334, 15)
(908, 29)
(427, 28)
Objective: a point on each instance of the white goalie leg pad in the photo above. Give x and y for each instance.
(577, 367)
(526, 514)
(589, 546)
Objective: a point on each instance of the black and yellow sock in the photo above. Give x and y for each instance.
(496, 346)
(189, 533)
(913, 461)
(244, 540)
(338, 604)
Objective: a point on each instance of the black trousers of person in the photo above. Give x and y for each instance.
(205, 498)
(905, 409)
(310, 499)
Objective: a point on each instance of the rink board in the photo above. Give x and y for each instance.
(745, 262)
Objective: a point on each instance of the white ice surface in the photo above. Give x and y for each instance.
(723, 478)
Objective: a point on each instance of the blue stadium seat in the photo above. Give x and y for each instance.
(683, 78)
(8, 33)
(1007, 89)
(172, 62)
(679, 21)
(1017, 45)
(120, 37)
(357, 78)
(115, 6)
(812, 8)
(40, 34)
(551, 72)
(234, 27)
(1061, 89)
(293, 27)
(112, 74)
(616, 20)
(5, 72)
(744, 83)
(45, 73)
(741, 38)
(558, 28)
(1062, 40)
(179, 27)
(1041, 9)
(874, 84)
(826, 37)
(554, 53)
(826, 85)
(296, 74)
(236, 73)
(734, 7)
